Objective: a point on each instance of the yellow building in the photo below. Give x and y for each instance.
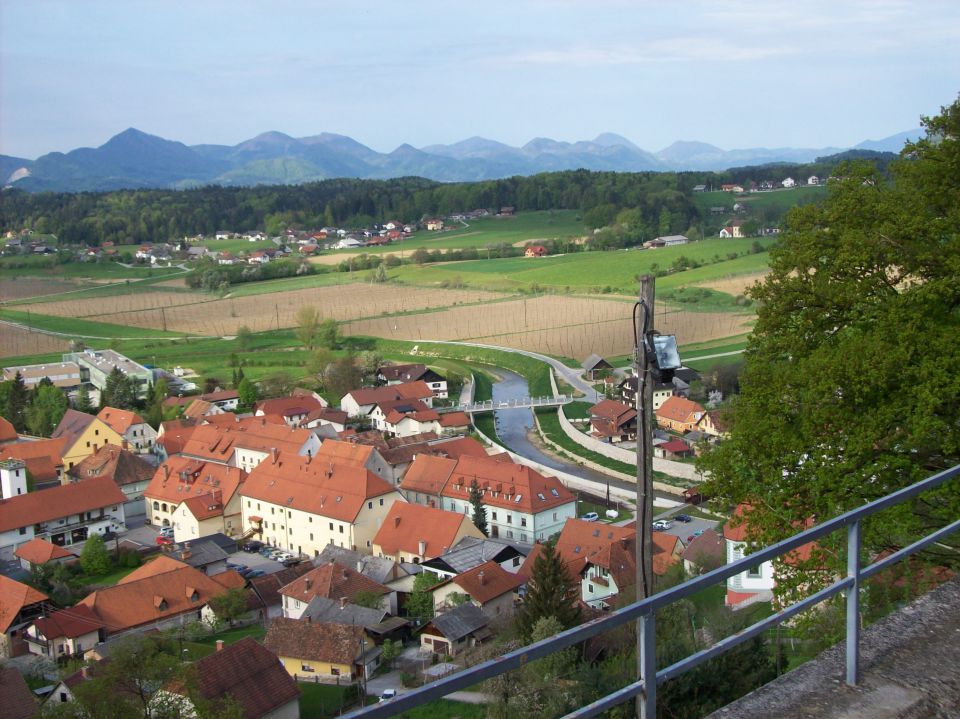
(84, 435)
(313, 651)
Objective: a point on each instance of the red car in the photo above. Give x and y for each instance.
(164, 540)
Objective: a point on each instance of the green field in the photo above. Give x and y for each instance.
(594, 271)
(71, 327)
(46, 267)
(778, 200)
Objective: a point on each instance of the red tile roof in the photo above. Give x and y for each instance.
(120, 465)
(42, 456)
(679, 409)
(487, 581)
(331, 581)
(254, 433)
(340, 452)
(7, 431)
(40, 551)
(119, 420)
(614, 411)
(407, 525)
(71, 623)
(428, 474)
(58, 502)
(506, 485)
(379, 395)
(179, 478)
(315, 641)
(17, 699)
(287, 406)
(14, 596)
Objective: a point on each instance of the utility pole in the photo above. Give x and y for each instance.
(643, 323)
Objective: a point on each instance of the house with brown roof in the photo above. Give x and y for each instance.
(679, 414)
(200, 408)
(450, 633)
(302, 504)
(37, 552)
(331, 581)
(20, 605)
(714, 424)
(521, 503)
(130, 473)
(43, 458)
(535, 251)
(595, 366)
(293, 409)
(267, 588)
(17, 700)
(245, 672)
(64, 514)
(248, 442)
(66, 633)
(401, 373)
(613, 421)
(354, 454)
(225, 399)
(138, 435)
(162, 593)
(704, 553)
(674, 449)
(207, 483)
(325, 417)
(315, 651)
(415, 533)
(84, 434)
(361, 402)
(8, 432)
(489, 586)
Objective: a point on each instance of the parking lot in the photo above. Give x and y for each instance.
(687, 530)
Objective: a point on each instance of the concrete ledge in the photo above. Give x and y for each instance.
(910, 668)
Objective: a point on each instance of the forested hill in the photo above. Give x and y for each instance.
(132, 217)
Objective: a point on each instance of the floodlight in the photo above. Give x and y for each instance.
(663, 356)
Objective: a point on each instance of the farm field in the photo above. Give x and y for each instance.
(20, 287)
(779, 200)
(19, 341)
(45, 267)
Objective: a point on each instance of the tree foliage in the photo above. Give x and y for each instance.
(479, 508)
(420, 600)
(850, 390)
(94, 558)
(247, 393)
(120, 391)
(230, 605)
(16, 397)
(551, 592)
(47, 407)
(308, 325)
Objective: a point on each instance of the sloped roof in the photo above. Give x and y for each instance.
(407, 525)
(428, 474)
(7, 431)
(679, 409)
(454, 419)
(299, 639)
(58, 502)
(40, 551)
(14, 596)
(595, 361)
(119, 420)
(612, 410)
(332, 581)
(120, 465)
(505, 485)
(337, 491)
(72, 425)
(249, 673)
(218, 444)
(708, 545)
(71, 623)
(379, 569)
(288, 406)
(340, 452)
(41, 456)
(333, 611)
(487, 581)
(268, 586)
(15, 696)
(458, 622)
(377, 395)
(402, 372)
(471, 552)
(180, 478)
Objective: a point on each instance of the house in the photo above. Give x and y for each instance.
(535, 251)
(506, 212)
(312, 651)
(679, 414)
(699, 188)
(206, 484)
(736, 189)
(38, 552)
(325, 417)
(83, 434)
(402, 373)
(341, 611)
(789, 182)
(361, 402)
(293, 410)
(225, 399)
(20, 605)
(674, 449)
(670, 240)
(162, 593)
(66, 633)
(705, 553)
(42, 457)
(595, 367)
(613, 421)
(331, 581)
(64, 514)
(415, 533)
(714, 424)
(97, 365)
(65, 375)
(267, 588)
(380, 569)
(247, 443)
(489, 586)
(8, 434)
(756, 583)
(15, 696)
(434, 224)
(813, 180)
(450, 633)
(302, 505)
(471, 552)
(335, 451)
(250, 675)
(128, 471)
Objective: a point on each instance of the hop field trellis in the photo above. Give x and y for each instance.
(19, 341)
(557, 325)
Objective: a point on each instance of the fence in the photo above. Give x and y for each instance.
(644, 612)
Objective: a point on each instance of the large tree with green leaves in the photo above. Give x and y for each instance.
(479, 508)
(47, 407)
(119, 391)
(850, 389)
(551, 592)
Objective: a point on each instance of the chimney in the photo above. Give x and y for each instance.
(623, 542)
(308, 583)
(166, 472)
(480, 577)
(85, 672)
(123, 445)
(396, 521)
(343, 602)
(219, 645)
(273, 453)
(309, 619)
(421, 547)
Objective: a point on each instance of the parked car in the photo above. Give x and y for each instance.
(265, 551)
(590, 517)
(683, 518)
(164, 540)
(282, 556)
(234, 565)
(166, 532)
(662, 525)
(388, 694)
(292, 562)
(252, 546)
(255, 573)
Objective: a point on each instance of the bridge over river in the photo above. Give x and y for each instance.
(493, 405)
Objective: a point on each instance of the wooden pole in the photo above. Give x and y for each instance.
(644, 556)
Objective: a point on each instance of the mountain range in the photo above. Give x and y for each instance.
(134, 159)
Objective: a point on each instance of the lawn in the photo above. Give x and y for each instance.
(780, 200)
(549, 422)
(103, 580)
(447, 709)
(229, 636)
(71, 327)
(47, 267)
(324, 700)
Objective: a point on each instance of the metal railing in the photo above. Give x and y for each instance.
(517, 403)
(644, 612)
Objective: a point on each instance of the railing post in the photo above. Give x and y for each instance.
(647, 646)
(853, 602)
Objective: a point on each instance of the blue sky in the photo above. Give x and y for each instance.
(735, 74)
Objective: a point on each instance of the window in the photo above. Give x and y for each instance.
(310, 519)
(590, 588)
(755, 572)
(306, 668)
(381, 501)
(311, 536)
(509, 519)
(23, 530)
(334, 671)
(554, 516)
(493, 516)
(289, 514)
(331, 526)
(156, 505)
(523, 521)
(274, 525)
(341, 529)
(510, 534)
(516, 561)
(273, 510)
(370, 505)
(248, 504)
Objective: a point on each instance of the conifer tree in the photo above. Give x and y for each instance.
(551, 592)
(479, 508)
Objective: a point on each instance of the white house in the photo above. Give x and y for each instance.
(789, 182)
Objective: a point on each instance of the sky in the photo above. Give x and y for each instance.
(735, 74)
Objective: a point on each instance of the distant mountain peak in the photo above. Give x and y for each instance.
(612, 139)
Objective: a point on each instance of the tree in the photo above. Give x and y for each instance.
(380, 274)
(479, 509)
(308, 325)
(319, 362)
(343, 376)
(247, 392)
(370, 361)
(244, 337)
(366, 598)
(95, 559)
(120, 391)
(46, 409)
(17, 400)
(230, 605)
(391, 650)
(420, 600)
(328, 334)
(83, 403)
(551, 592)
(846, 395)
